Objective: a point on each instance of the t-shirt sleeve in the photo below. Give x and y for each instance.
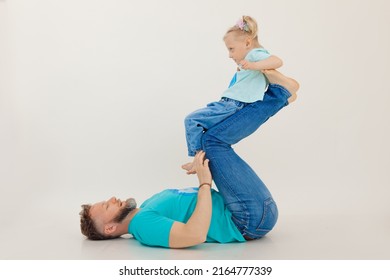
(150, 228)
(258, 55)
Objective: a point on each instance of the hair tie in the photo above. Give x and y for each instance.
(242, 25)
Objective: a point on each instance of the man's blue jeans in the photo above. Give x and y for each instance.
(253, 209)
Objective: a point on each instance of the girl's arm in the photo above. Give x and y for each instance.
(272, 62)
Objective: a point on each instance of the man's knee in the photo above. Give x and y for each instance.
(207, 141)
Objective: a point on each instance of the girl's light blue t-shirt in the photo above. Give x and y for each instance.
(153, 222)
(249, 85)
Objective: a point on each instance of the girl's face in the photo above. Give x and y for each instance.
(237, 46)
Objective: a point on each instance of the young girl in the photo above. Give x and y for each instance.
(247, 86)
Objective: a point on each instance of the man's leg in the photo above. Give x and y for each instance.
(246, 196)
(277, 78)
(200, 120)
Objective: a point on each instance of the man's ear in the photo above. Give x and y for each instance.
(110, 228)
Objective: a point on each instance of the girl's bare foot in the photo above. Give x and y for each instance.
(189, 167)
(275, 77)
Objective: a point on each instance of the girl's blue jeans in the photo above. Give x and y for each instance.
(203, 119)
(253, 209)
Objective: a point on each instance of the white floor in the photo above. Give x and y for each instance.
(295, 237)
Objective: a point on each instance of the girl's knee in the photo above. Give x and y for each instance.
(188, 120)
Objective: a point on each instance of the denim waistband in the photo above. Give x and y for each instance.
(238, 103)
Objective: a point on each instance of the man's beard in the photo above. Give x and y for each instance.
(130, 206)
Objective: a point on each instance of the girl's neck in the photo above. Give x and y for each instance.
(256, 45)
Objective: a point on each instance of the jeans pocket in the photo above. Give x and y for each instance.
(270, 216)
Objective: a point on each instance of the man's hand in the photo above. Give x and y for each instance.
(201, 166)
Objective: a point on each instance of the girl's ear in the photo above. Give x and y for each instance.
(248, 42)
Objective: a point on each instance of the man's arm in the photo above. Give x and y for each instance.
(272, 62)
(195, 231)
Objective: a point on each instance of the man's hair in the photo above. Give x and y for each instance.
(88, 227)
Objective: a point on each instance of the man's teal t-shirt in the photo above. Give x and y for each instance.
(249, 85)
(152, 224)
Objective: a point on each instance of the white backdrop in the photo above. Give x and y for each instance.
(93, 95)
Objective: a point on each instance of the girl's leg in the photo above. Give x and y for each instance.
(246, 196)
(200, 120)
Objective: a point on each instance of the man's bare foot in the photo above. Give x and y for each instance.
(189, 167)
(275, 77)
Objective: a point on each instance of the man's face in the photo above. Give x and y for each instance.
(237, 47)
(111, 211)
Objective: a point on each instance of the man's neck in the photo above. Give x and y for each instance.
(126, 222)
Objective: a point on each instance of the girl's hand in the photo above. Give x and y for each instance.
(246, 65)
(201, 166)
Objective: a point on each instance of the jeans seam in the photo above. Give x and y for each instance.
(267, 202)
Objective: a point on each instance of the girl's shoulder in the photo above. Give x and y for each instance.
(257, 54)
